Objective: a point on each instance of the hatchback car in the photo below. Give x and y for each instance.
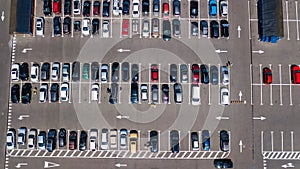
(295, 74)
(82, 140)
(225, 75)
(86, 27)
(154, 73)
(73, 140)
(223, 163)
(126, 7)
(96, 8)
(105, 29)
(64, 91)
(214, 29)
(267, 75)
(86, 8)
(10, 140)
(165, 93)
(54, 92)
(144, 92)
(123, 139)
(223, 8)
(41, 140)
(205, 140)
(135, 8)
(194, 9)
(195, 141)
(15, 68)
(134, 95)
(104, 73)
(45, 71)
(56, 6)
(204, 74)
(62, 137)
(125, 72)
(214, 75)
(178, 93)
(224, 94)
(224, 140)
(134, 72)
(26, 93)
(174, 141)
(224, 28)
(24, 71)
(15, 93)
(39, 26)
(115, 72)
(203, 28)
(75, 71)
(184, 73)
(176, 7)
(145, 7)
(196, 73)
(67, 7)
(176, 27)
(57, 26)
(95, 71)
(106, 8)
(22, 135)
(76, 7)
(85, 71)
(55, 72)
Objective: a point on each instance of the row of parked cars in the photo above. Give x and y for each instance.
(76, 7)
(267, 76)
(105, 139)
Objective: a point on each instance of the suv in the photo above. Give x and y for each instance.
(24, 71)
(54, 92)
(86, 8)
(134, 93)
(26, 93)
(47, 8)
(57, 26)
(15, 93)
(115, 72)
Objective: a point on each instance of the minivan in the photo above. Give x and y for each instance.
(195, 95)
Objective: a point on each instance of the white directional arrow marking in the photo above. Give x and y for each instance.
(48, 164)
(222, 118)
(21, 117)
(288, 165)
(240, 95)
(123, 50)
(221, 51)
(19, 165)
(121, 165)
(258, 51)
(241, 146)
(239, 31)
(26, 49)
(2, 16)
(122, 117)
(259, 118)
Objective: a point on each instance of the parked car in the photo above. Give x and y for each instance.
(96, 8)
(55, 71)
(224, 94)
(204, 74)
(66, 72)
(166, 11)
(22, 135)
(176, 8)
(104, 73)
(135, 9)
(85, 71)
(144, 92)
(51, 140)
(134, 93)
(106, 8)
(57, 26)
(165, 93)
(39, 26)
(176, 27)
(26, 93)
(125, 27)
(56, 6)
(104, 139)
(67, 25)
(10, 140)
(123, 139)
(86, 8)
(154, 73)
(205, 140)
(93, 139)
(224, 140)
(34, 72)
(195, 98)
(166, 30)
(212, 8)
(86, 27)
(145, 7)
(43, 93)
(214, 29)
(126, 7)
(204, 28)
(64, 91)
(76, 7)
(73, 140)
(178, 93)
(45, 71)
(267, 75)
(173, 72)
(195, 141)
(62, 137)
(223, 8)
(75, 71)
(67, 7)
(77, 26)
(155, 27)
(24, 71)
(113, 98)
(32, 138)
(15, 93)
(184, 73)
(194, 28)
(82, 140)
(105, 29)
(224, 28)
(174, 141)
(194, 9)
(15, 68)
(295, 74)
(41, 140)
(135, 72)
(156, 7)
(95, 92)
(154, 141)
(225, 75)
(115, 72)
(223, 163)
(95, 71)
(146, 28)
(154, 94)
(116, 7)
(125, 71)
(113, 138)
(47, 7)
(135, 26)
(214, 75)
(133, 141)
(196, 73)
(54, 92)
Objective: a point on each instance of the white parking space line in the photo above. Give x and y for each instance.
(79, 89)
(189, 81)
(281, 135)
(189, 135)
(220, 83)
(261, 84)
(249, 24)
(90, 82)
(209, 87)
(297, 23)
(271, 89)
(70, 83)
(262, 140)
(272, 141)
(280, 87)
(68, 131)
(287, 18)
(291, 97)
(292, 141)
(139, 140)
(121, 24)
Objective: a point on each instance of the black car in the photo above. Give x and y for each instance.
(204, 28)
(166, 30)
(194, 9)
(145, 7)
(26, 93)
(125, 71)
(214, 29)
(174, 140)
(204, 74)
(54, 92)
(57, 26)
(67, 25)
(47, 7)
(115, 72)
(176, 7)
(62, 137)
(224, 28)
(135, 72)
(153, 141)
(126, 7)
(67, 7)
(82, 141)
(73, 140)
(214, 76)
(156, 7)
(24, 71)
(86, 8)
(95, 25)
(75, 71)
(223, 163)
(51, 141)
(113, 98)
(95, 71)
(45, 71)
(15, 93)
(105, 12)
(77, 26)
(134, 94)
(165, 93)
(173, 73)
(224, 140)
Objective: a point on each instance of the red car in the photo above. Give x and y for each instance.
(267, 76)
(166, 10)
(295, 74)
(125, 24)
(96, 9)
(56, 6)
(195, 70)
(154, 73)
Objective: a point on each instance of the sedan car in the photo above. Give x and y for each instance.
(104, 139)
(47, 7)
(176, 7)
(86, 27)
(267, 75)
(135, 9)
(126, 7)
(54, 92)
(153, 141)
(146, 28)
(113, 98)
(144, 92)
(125, 27)
(174, 141)
(34, 72)
(173, 72)
(196, 73)
(134, 72)
(10, 140)
(67, 25)
(15, 93)
(85, 71)
(51, 141)
(205, 140)
(62, 137)
(76, 7)
(123, 138)
(204, 28)
(154, 73)
(224, 28)
(156, 7)
(26, 93)
(93, 144)
(295, 74)
(86, 8)
(195, 141)
(45, 71)
(184, 73)
(223, 7)
(82, 140)
(194, 9)
(104, 73)
(41, 140)
(214, 75)
(95, 71)
(176, 27)
(64, 91)
(166, 30)
(155, 27)
(66, 72)
(224, 140)
(22, 135)
(212, 5)
(67, 7)
(178, 93)
(106, 8)
(56, 6)
(105, 29)
(43, 93)
(165, 93)
(39, 26)
(194, 28)
(32, 138)
(204, 74)
(115, 72)
(225, 75)
(15, 72)
(224, 94)
(145, 7)
(73, 140)
(96, 8)
(95, 26)
(24, 71)
(223, 163)
(214, 29)
(57, 26)
(55, 71)
(134, 93)
(125, 72)
(75, 71)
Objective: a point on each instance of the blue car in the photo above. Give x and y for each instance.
(205, 140)
(212, 8)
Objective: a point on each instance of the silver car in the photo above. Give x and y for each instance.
(176, 27)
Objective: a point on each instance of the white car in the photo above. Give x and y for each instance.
(31, 139)
(43, 92)
(224, 94)
(116, 8)
(104, 73)
(34, 73)
(22, 135)
(64, 91)
(146, 28)
(41, 141)
(104, 139)
(105, 29)
(123, 138)
(223, 8)
(93, 139)
(55, 71)
(10, 140)
(15, 72)
(95, 92)
(77, 7)
(135, 9)
(144, 92)
(39, 27)
(86, 27)
(225, 79)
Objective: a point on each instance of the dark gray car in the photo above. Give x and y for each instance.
(113, 98)
(176, 27)
(153, 141)
(184, 73)
(115, 72)
(125, 71)
(214, 76)
(174, 140)
(173, 72)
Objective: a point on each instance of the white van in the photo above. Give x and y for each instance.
(195, 95)
(95, 92)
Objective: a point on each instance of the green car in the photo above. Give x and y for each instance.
(85, 71)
